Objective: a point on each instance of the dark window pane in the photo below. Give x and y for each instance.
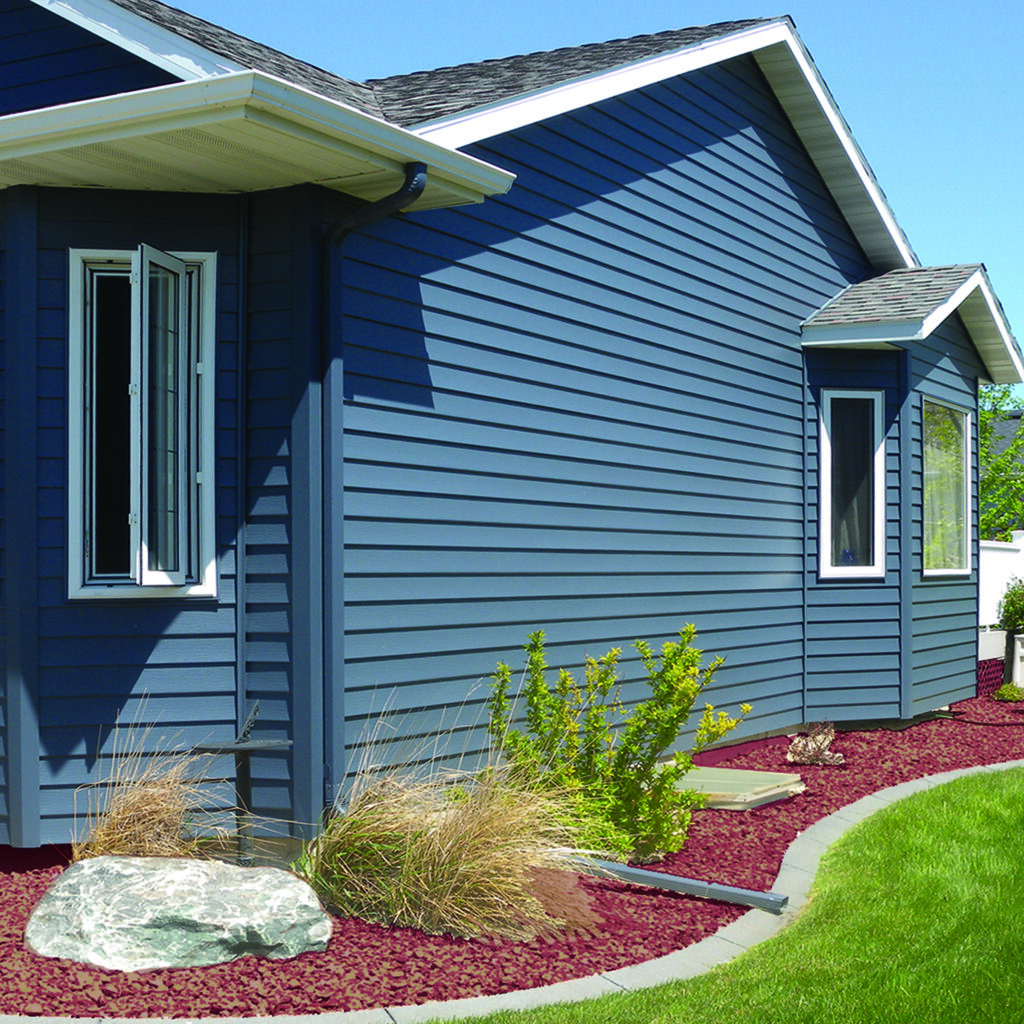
(111, 420)
(852, 435)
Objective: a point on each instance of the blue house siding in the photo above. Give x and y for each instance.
(45, 60)
(854, 648)
(578, 408)
(169, 664)
(946, 367)
(5, 831)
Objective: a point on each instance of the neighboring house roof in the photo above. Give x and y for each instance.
(909, 304)
(1005, 429)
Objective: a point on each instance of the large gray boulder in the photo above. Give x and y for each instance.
(138, 913)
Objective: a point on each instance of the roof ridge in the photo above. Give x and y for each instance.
(420, 96)
(580, 47)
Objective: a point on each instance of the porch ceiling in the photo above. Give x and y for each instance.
(239, 132)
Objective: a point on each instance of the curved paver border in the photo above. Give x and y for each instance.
(796, 875)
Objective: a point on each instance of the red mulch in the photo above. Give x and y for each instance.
(367, 965)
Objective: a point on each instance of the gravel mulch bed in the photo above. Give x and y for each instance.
(367, 965)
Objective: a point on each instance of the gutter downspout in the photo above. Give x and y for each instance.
(773, 902)
(332, 469)
(411, 190)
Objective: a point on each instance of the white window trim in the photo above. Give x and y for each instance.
(825, 568)
(79, 586)
(968, 486)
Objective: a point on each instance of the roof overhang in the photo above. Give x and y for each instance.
(236, 132)
(979, 309)
(796, 83)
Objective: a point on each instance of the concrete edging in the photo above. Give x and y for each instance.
(795, 878)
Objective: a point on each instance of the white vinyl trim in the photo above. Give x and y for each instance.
(352, 144)
(826, 570)
(968, 476)
(507, 115)
(202, 508)
(159, 46)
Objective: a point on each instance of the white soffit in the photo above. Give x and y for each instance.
(137, 35)
(237, 132)
(797, 85)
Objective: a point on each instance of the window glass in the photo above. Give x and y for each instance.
(945, 463)
(852, 484)
(141, 515)
(109, 455)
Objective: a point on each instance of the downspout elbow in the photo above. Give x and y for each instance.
(412, 188)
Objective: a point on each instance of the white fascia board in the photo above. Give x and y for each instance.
(985, 320)
(897, 332)
(798, 87)
(810, 105)
(254, 96)
(953, 303)
(507, 115)
(133, 33)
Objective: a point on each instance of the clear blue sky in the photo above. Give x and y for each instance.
(933, 91)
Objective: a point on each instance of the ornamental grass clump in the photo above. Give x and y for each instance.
(582, 741)
(469, 855)
(149, 804)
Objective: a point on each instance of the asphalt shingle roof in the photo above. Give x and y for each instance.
(254, 56)
(910, 293)
(429, 95)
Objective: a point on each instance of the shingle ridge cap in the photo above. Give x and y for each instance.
(493, 62)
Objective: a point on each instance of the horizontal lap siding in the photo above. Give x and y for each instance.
(945, 622)
(854, 648)
(5, 834)
(45, 60)
(168, 665)
(579, 407)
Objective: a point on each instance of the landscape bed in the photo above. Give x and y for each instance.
(367, 965)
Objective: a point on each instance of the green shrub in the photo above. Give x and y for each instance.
(629, 796)
(1009, 692)
(1011, 606)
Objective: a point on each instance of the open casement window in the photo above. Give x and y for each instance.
(140, 486)
(945, 456)
(852, 480)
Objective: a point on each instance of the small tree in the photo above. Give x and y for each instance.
(1000, 465)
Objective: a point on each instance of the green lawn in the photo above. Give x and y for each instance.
(917, 917)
